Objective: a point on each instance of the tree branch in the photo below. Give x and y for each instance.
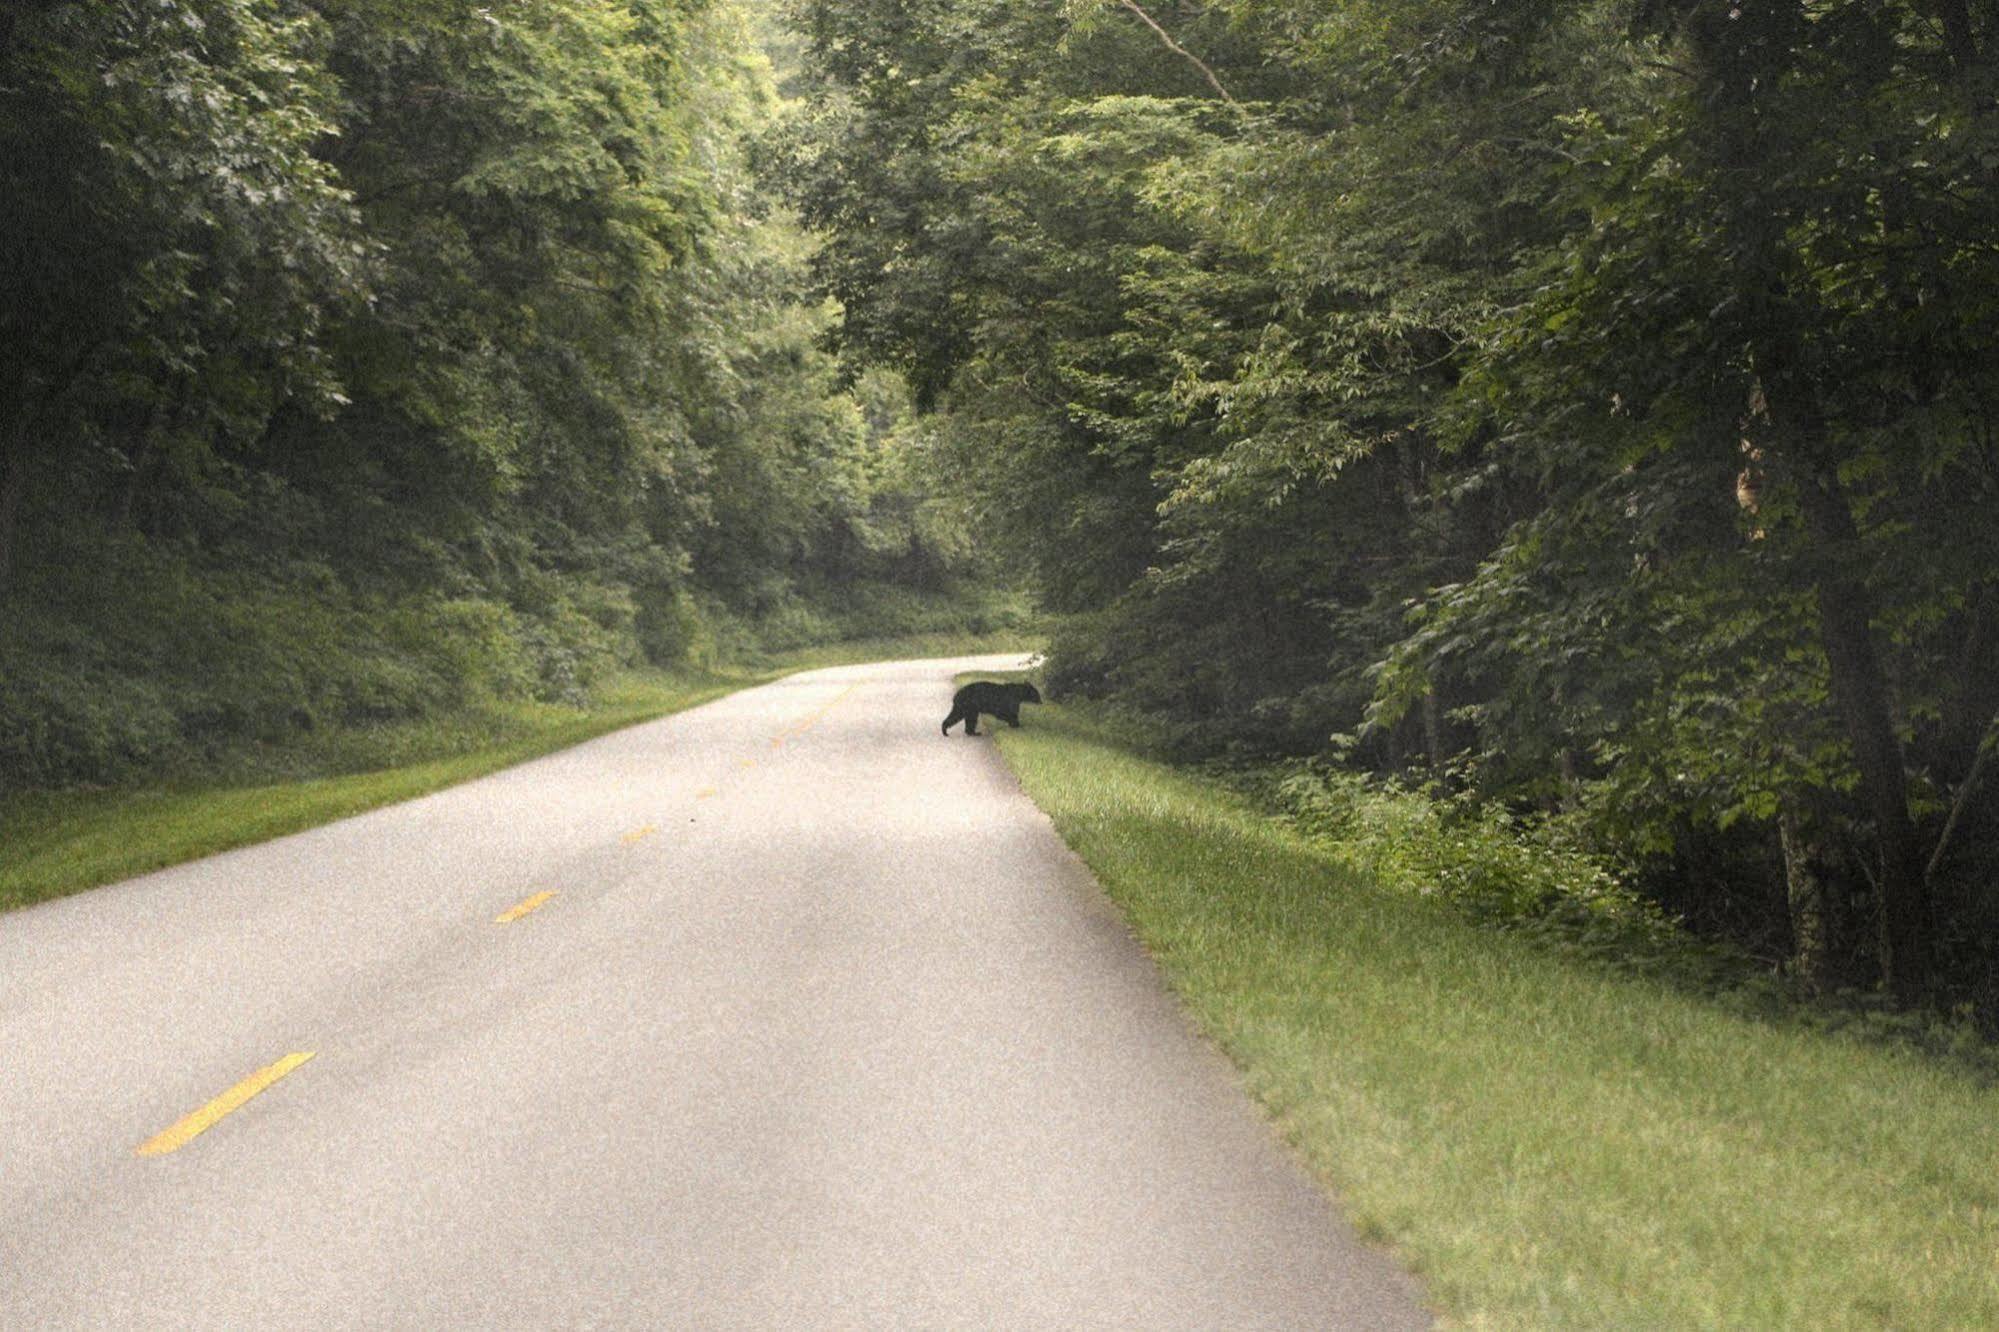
(1180, 50)
(1985, 748)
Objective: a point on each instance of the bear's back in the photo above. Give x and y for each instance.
(986, 693)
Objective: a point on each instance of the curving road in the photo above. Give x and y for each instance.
(782, 1012)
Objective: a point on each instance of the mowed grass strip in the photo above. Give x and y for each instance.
(56, 843)
(1546, 1143)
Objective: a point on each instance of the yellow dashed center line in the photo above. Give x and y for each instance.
(194, 1125)
(807, 724)
(514, 913)
(777, 741)
(200, 1121)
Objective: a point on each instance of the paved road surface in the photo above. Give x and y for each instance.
(822, 1026)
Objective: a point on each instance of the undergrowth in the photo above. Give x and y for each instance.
(1535, 877)
(123, 661)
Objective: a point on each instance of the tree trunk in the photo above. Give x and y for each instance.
(13, 484)
(1746, 148)
(1433, 731)
(140, 462)
(1409, 476)
(1968, 708)
(1820, 948)
(1860, 695)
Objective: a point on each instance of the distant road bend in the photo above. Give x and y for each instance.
(782, 1012)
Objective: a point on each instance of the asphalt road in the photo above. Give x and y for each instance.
(804, 1017)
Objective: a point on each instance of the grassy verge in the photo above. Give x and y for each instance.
(56, 843)
(1548, 1143)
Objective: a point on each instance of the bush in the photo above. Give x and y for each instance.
(791, 623)
(474, 648)
(573, 651)
(1476, 855)
(132, 658)
(836, 613)
(668, 624)
(65, 719)
(1534, 876)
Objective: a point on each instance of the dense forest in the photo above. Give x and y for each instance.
(360, 359)
(1587, 406)
(1584, 409)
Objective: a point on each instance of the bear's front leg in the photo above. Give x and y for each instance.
(972, 724)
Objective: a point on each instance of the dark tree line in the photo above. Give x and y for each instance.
(362, 357)
(1594, 402)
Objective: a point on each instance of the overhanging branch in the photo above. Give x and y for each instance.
(1986, 745)
(1180, 50)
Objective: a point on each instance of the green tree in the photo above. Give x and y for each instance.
(1785, 274)
(1600, 389)
(173, 252)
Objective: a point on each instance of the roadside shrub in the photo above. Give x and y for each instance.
(1535, 877)
(879, 610)
(1478, 856)
(725, 635)
(816, 614)
(471, 646)
(67, 718)
(668, 624)
(791, 623)
(572, 652)
(137, 659)
(888, 610)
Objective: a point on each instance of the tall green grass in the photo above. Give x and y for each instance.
(1547, 1142)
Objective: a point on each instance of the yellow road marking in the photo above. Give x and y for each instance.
(800, 728)
(640, 834)
(704, 793)
(194, 1125)
(746, 763)
(806, 725)
(514, 913)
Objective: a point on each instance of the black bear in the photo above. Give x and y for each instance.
(1001, 700)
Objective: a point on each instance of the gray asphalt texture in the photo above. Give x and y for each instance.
(850, 1039)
